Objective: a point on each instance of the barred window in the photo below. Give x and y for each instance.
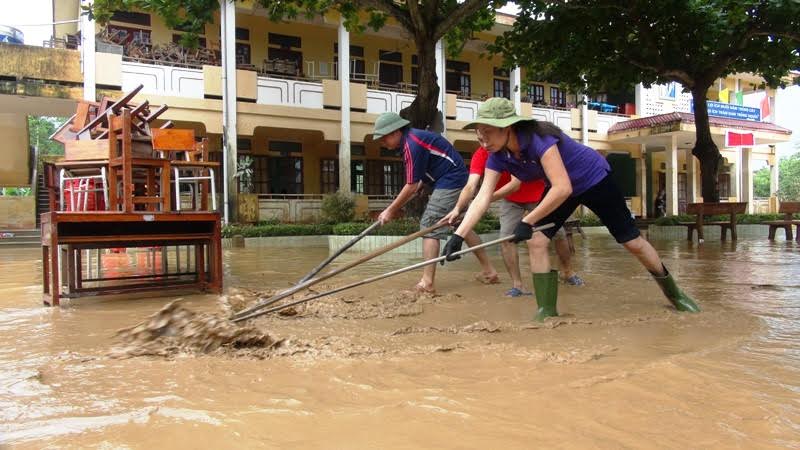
(329, 175)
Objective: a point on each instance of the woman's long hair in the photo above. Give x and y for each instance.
(541, 128)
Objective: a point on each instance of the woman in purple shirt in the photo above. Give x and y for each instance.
(577, 175)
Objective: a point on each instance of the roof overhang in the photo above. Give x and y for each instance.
(660, 131)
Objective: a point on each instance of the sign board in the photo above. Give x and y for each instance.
(739, 139)
(11, 35)
(731, 111)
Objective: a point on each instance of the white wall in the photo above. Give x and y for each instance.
(659, 99)
(787, 115)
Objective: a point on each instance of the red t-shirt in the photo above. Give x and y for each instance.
(529, 191)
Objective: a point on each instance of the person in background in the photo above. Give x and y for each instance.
(661, 203)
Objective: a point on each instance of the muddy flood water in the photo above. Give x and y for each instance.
(381, 367)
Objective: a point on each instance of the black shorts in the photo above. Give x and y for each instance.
(604, 199)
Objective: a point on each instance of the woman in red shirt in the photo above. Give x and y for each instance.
(516, 200)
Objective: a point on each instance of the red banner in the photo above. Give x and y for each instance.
(735, 139)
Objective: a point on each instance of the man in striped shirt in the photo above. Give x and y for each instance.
(430, 159)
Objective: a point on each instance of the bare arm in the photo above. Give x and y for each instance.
(510, 187)
(467, 192)
(480, 204)
(560, 186)
(402, 198)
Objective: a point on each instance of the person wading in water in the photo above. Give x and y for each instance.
(429, 158)
(578, 175)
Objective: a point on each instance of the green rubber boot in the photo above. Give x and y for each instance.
(674, 294)
(545, 286)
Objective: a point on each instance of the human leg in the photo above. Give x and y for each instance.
(510, 215)
(439, 204)
(564, 257)
(511, 261)
(564, 254)
(545, 281)
(606, 200)
(537, 251)
(537, 245)
(545, 285)
(647, 255)
(430, 250)
(488, 273)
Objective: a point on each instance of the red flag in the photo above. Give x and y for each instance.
(734, 139)
(765, 107)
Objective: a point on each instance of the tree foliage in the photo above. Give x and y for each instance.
(761, 182)
(187, 15)
(424, 21)
(789, 179)
(39, 130)
(608, 45)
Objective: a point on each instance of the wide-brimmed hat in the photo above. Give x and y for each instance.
(496, 112)
(386, 123)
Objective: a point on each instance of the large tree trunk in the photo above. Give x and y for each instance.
(705, 149)
(423, 112)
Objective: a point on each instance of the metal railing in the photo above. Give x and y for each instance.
(290, 196)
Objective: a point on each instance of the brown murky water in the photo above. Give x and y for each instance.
(377, 367)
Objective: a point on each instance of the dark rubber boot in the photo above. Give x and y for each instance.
(545, 285)
(674, 294)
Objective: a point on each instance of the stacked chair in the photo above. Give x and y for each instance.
(189, 161)
(117, 160)
(113, 190)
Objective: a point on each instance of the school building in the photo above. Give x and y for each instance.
(277, 93)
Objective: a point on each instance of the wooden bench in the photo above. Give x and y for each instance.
(788, 209)
(712, 209)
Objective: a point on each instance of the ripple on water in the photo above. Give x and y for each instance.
(620, 362)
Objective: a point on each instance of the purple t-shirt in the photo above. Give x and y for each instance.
(585, 166)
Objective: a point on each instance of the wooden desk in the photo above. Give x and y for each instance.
(75, 231)
(708, 209)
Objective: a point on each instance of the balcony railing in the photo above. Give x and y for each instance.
(289, 92)
(163, 80)
(273, 90)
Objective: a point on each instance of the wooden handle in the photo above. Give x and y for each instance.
(281, 295)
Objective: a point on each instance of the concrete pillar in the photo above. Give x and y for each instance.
(736, 173)
(641, 181)
(672, 176)
(229, 110)
(88, 55)
(344, 78)
(584, 119)
(440, 78)
(691, 177)
(773, 177)
(773, 183)
(516, 88)
(747, 179)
